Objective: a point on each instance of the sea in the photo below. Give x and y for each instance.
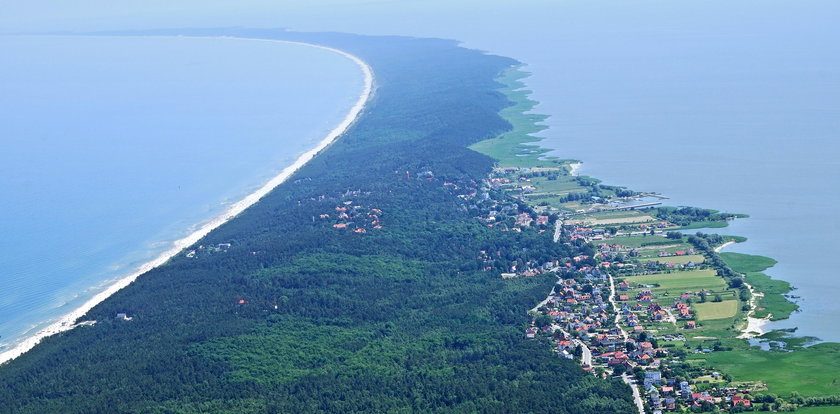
(113, 148)
(724, 104)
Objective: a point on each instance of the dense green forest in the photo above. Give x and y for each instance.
(296, 315)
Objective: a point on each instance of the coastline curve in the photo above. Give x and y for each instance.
(67, 321)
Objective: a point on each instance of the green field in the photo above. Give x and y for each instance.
(652, 252)
(618, 214)
(810, 371)
(679, 282)
(716, 310)
(773, 303)
(694, 258)
(562, 185)
(819, 410)
(640, 241)
(705, 225)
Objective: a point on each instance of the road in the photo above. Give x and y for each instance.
(586, 358)
(615, 308)
(637, 397)
(547, 298)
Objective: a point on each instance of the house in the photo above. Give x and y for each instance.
(690, 325)
(658, 315)
(741, 401)
(655, 377)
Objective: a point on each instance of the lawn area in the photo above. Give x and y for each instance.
(678, 282)
(695, 258)
(716, 310)
(773, 303)
(810, 371)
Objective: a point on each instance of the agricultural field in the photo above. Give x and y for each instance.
(642, 241)
(716, 310)
(614, 218)
(561, 186)
(693, 258)
(679, 282)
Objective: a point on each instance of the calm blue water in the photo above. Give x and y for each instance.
(729, 104)
(733, 105)
(112, 148)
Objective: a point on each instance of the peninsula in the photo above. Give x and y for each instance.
(362, 283)
(430, 256)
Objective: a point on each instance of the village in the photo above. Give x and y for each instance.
(635, 302)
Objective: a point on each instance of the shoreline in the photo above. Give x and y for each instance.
(67, 321)
(723, 246)
(573, 168)
(755, 326)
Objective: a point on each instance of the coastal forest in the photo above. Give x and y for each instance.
(362, 284)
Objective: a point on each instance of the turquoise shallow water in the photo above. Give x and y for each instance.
(112, 148)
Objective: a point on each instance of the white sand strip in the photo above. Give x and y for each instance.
(723, 246)
(755, 326)
(65, 322)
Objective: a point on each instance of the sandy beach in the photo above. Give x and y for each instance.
(723, 246)
(755, 326)
(66, 322)
(573, 167)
